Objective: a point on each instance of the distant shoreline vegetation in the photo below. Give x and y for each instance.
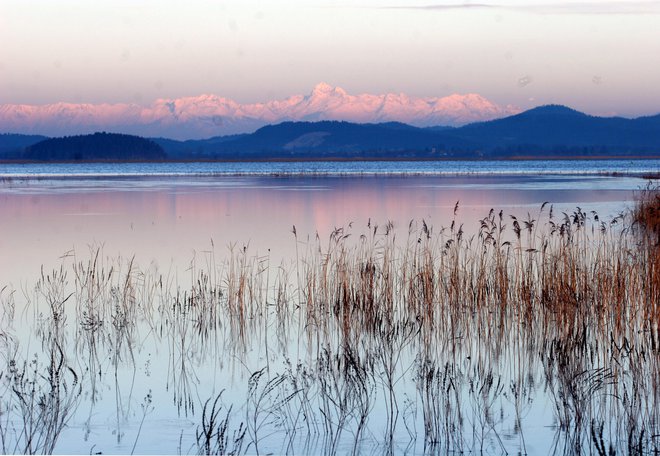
(546, 133)
(98, 146)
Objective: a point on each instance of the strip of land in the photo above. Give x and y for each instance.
(547, 132)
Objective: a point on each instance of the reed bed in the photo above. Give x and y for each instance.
(421, 340)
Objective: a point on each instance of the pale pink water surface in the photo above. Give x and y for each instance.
(169, 221)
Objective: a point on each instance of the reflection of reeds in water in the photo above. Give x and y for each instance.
(450, 336)
(38, 400)
(214, 435)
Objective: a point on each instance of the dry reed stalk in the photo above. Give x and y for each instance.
(568, 304)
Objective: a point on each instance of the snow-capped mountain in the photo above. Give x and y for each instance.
(211, 115)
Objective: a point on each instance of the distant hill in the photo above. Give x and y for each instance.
(12, 145)
(545, 132)
(338, 140)
(95, 147)
(558, 130)
(200, 149)
(316, 140)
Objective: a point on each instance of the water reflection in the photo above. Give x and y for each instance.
(167, 221)
(432, 344)
(463, 330)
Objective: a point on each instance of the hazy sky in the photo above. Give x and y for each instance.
(601, 56)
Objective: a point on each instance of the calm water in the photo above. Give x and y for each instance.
(443, 168)
(175, 218)
(168, 212)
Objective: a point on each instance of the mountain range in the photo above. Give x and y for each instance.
(551, 131)
(546, 131)
(211, 115)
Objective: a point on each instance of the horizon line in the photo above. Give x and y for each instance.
(293, 121)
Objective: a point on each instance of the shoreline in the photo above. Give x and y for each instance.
(319, 175)
(330, 159)
(644, 169)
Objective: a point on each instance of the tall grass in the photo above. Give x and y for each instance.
(422, 339)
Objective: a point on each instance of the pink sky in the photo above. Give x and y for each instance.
(599, 57)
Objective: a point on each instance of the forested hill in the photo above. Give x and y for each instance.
(13, 145)
(95, 147)
(545, 132)
(559, 131)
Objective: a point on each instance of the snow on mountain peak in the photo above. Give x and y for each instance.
(323, 88)
(212, 115)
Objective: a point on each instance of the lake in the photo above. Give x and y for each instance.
(135, 293)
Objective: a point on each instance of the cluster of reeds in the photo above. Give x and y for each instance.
(646, 223)
(572, 294)
(38, 399)
(214, 436)
(439, 340)
(647, 210)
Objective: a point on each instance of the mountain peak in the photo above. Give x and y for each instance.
(322, 87)
(325, 89)
(554, 109)
(210, 115)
